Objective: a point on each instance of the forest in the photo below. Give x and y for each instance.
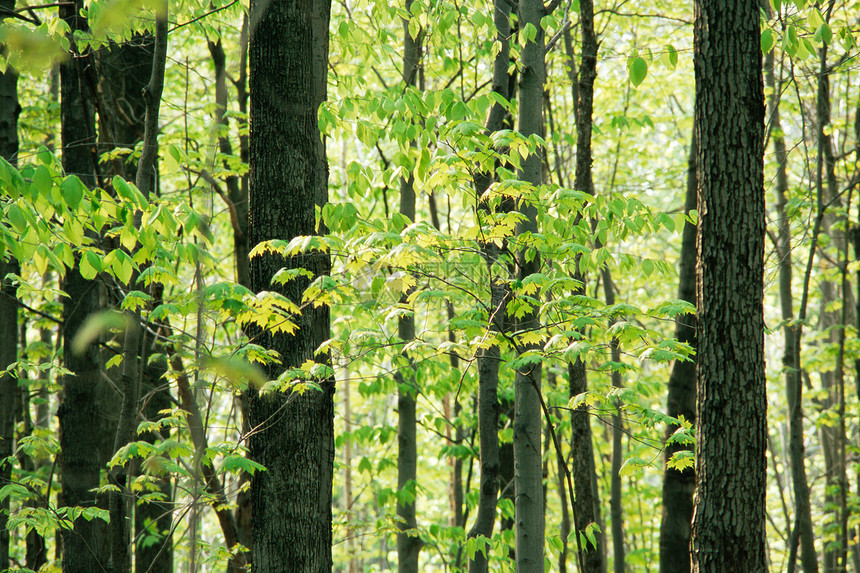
(429, 285)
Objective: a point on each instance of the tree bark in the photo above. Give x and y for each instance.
(586, 507)
(489, 359)
(679, 486)
(9, 110)
(616, 507)
(529, 529)
(292, 433)
(729, 520)
(408, 541)
(85, 547)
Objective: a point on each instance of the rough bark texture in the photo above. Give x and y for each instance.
(586, 508)
(292, 434)
(9, 110)
(679, 486)
(9, 107)
(616, 506)
(85, 547)
(408, 542)
(489, 359)
(729, 521)
(529, 528)
(8, 386)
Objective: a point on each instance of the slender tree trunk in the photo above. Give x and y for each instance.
(8, 388)
(236, 198)
(292, 434)
(9, 110)
(792, 332)
(586, 507)
(85, 547)
(729, 521)
(408, 542)
(529, 529)
(856, 243)
(236, 195)
(489, 359)
(826, 174)
(616, 507)
(678, 486)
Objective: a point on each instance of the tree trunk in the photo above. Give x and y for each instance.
(679, 486)
(489, 359)
(586, 509)
(729, 521)
(85, 547)
(292, 433)
(9, 110)
(616, 507)
(529, 529)
(8, 388)
(408, 542)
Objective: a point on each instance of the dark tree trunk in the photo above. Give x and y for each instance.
(85, 548)
(616, 505)
(408, 541)
(729, 522)
(586, 508)
(9, 110)
(489, 359)
(8, 388)
(678, 486)
(529, 527)
(123, 71)
(292, 433)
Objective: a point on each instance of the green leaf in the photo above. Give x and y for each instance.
(73, 191)
(815, 19)
(823, 34)
(638, 69)
(365, 466)
(236, 463)
(16, 216)
(682, 460)
(90, 265)
(42, 181)
(671, 55)
(529, 33)
(768, 40)
(647, 267)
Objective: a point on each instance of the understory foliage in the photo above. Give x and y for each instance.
(171, 258)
